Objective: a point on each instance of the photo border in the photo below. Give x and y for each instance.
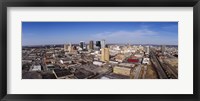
(98, 3)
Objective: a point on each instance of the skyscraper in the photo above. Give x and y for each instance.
(91, 45)
(82, 45)
(65, 47)
(98, 44)
(102, 43)
(105, 54)
(70, 47)
(163, 49)
(147, 50)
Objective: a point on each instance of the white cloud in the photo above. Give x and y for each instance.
(120, 34)
(125, 36)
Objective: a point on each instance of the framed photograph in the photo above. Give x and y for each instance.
(99, 50)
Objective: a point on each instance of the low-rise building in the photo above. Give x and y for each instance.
(122, 70)
(36, 68)
(145, 61)
(127, 64)
(119, 58)
(98, 63)
(113, 62)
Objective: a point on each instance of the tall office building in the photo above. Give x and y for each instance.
(163, 49)
(91, 45)
(147, 50)
(105, 54)
(98, 44)
(103, 44)
(82, 45)
(70, 48)
(65, 47)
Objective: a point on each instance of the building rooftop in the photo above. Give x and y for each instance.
(62, 72)
(83, 74)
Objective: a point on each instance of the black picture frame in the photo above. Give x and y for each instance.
(99, 3)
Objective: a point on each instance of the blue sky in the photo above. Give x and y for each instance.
(41, 33)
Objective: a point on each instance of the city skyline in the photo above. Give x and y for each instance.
(44, 33)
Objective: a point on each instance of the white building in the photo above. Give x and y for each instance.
(36, 68)
(145, 61)
(113, 62)
(98, 63)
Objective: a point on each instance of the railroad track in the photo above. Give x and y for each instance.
(161, 73)
(172, 72)
(165, 70)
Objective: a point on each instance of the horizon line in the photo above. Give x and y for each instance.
(94, 44)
